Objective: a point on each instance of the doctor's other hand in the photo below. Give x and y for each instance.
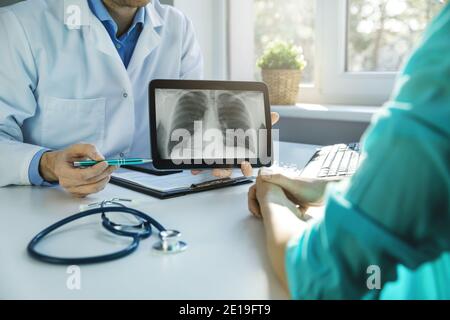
(246, 167)
(57, 166)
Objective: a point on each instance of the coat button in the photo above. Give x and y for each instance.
(122, 154)
(125, 95)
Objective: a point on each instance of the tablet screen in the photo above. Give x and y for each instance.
(210, 127)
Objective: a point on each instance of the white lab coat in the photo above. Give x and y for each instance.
(60, 86)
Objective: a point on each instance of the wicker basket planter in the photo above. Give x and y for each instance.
(283, 85)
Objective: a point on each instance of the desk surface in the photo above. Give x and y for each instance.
(226, 258)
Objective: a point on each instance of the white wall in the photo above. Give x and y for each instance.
(209, 19)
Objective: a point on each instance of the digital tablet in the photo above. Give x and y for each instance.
(209, 124)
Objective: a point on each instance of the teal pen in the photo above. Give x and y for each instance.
(112, 162)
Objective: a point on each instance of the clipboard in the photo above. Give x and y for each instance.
(150, 169)
(179, 192)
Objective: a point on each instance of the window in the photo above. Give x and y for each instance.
(353, 47)
(381, 34)
(274, 22)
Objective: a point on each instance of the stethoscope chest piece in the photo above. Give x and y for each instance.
(170, 242)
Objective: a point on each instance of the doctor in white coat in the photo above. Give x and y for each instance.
(77, 71)
(62, 84)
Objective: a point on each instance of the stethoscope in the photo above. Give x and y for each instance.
(169, 239)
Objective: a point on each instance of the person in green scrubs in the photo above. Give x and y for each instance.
(385, 233)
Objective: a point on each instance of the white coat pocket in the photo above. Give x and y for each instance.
(70, 121)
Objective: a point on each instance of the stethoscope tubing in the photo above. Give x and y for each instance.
(148, 221)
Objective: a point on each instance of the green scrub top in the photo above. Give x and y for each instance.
(386, 231)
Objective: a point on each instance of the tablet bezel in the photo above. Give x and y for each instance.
(165, 164)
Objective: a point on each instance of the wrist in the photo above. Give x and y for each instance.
(281, 206)
(277, 197)
(47, 167)
(269, 209)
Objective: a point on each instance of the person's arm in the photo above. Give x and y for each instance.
(34, 173)
(192, 57)
(280, 225)
(370, 222)
(393, 212)
(18, 79)
(22, 163)
(281, 221)
(282, 202)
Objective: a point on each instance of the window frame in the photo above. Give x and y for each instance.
(211, 30)
(333, 84)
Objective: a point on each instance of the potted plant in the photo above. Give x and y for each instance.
(281, 65)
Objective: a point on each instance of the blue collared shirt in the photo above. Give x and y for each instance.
(124, 44)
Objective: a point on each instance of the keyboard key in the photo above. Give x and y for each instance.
(343, 167)
(330, 157)
(354, 162)
(336, 163)
(323, 174)
(337, 160)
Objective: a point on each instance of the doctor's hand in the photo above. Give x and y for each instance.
(57, 166)
(246, 167)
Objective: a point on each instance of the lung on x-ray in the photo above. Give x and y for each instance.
(209, 124)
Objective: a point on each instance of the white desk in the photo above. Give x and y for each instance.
(226, 258)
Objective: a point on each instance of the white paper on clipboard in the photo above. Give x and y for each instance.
(171, 182)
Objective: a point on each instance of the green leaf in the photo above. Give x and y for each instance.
(282, 55)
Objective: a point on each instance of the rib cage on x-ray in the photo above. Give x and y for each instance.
(223, 110)
(233, 114)
(190, 107)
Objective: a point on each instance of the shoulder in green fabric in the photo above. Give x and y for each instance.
(423, 88)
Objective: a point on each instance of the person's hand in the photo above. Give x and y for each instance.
(57, 166)
(262, 194)
(246, 167)
(303, 192)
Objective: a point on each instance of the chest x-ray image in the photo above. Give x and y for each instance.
(210, 125)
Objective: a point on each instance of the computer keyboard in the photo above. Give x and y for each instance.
(334, 161)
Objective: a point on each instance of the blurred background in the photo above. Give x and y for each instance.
(353, 50)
